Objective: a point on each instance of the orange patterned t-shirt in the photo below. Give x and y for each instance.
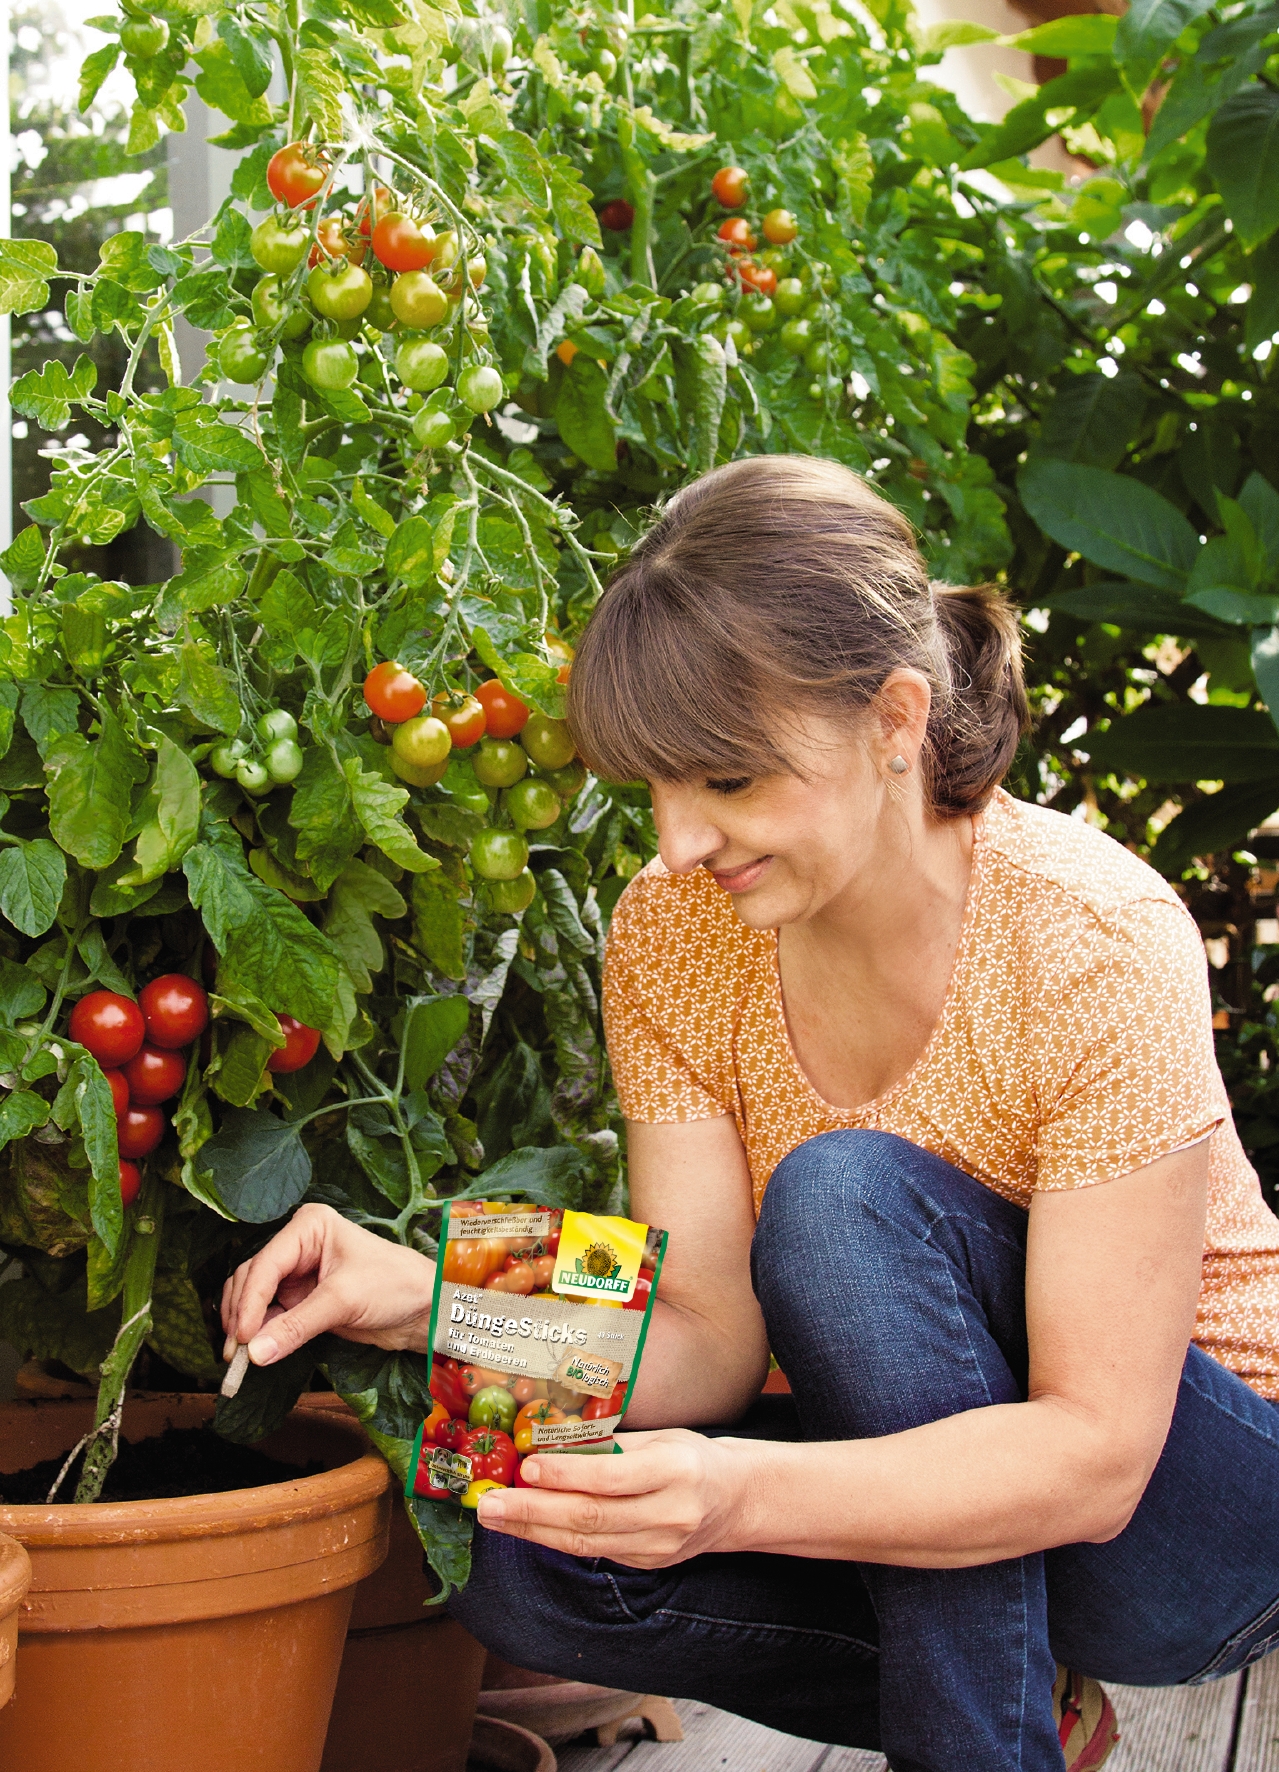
(1074, 1046)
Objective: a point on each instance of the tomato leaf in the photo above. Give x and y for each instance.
(48, 394)
(410, 552)
(32, 877)
(86, 1097)
(265, 1397)
(358, 895)
(21, 1111)
(172, 807)
(432, 1028)
(90, 792)
(258, 1164)
(1113, 520)
(581, 416)
(25, 266)
(439, 923)
(206, 689)
(323, 815)
(377, 806)
(552, 1175)
(178, 1332)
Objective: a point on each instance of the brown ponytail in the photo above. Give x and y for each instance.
(781, 582)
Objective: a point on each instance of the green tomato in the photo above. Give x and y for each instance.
(494, 1406)
(498, 855)
(501, 43)
(533, 805)
(224, 757)
(270, 309)
(421, 365)
(547, 741)
(499, 763)
(790, 297)
(432, 428)
(284, 760)
(758, 312)
(340, 291)
(279, 246)
(796, 336)
(240, 357)
(820, 277)
(144, 38)
(417, 775)
(417, 299)
(422, 741)
(775, 259)
(512, 896)
(823, 355)
(590, 271)
(253, 776)
(276, 723)
(605, 65)
(379, 312)
(330, 364)
(480, 387)
(569, 781)
(708, 295)
(737, 330)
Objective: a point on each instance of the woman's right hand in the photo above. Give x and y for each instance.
(323, 1273)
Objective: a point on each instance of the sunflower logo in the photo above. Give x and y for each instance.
(600, 1261)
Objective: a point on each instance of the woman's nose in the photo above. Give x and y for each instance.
(685, 836)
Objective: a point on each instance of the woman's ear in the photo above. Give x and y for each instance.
(901, 711)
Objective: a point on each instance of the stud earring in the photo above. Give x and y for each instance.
(898, 765)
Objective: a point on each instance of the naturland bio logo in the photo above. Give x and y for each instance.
(598, 1270)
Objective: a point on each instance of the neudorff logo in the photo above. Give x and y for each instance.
(598, 1270)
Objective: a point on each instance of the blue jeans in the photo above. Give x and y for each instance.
(892, 1286)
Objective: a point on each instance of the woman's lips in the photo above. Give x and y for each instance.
(740, 879)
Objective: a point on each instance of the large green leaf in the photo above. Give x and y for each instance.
(1140, 608)
(1222, 821)
(581, 416)
(48, 394)
(1111, 519)
(25, 267)
(1243, 159)
(172, 810)
(378, 806)
(259, 1165)
(1185, 741)
(1093, 418)
(32, 877)
(90, 791)
(1146, 32)
(432, 1028)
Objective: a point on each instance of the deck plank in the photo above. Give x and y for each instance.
(712, 1739)
(1175, 1728)
(1258, 1749)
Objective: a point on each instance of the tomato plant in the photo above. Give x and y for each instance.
(175, 1009)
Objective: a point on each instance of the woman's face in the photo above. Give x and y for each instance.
(788, 846)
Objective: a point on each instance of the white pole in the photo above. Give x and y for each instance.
(6, 229)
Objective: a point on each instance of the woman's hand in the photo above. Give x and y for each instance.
(673, 1495)
(322, 1273)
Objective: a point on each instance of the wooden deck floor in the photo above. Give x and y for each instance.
(1230, 1726)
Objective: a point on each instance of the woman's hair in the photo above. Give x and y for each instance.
(784, 584)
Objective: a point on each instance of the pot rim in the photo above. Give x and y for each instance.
(15, 1573)
(361, 1478)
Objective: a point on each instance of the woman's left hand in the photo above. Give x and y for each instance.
(671, 1495)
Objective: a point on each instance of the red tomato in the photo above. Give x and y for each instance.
(402, 244)
(504, 714)
(617, 216)
(517, 1277)
(598, 1409)
(466, 1261)
(464, 719)
(138, 1131)
(451, 1432)
(736, 233)
(154, 1075)
(176, 1009)
(639, 1298)
(543, 1271)
(333, 239)
(365, 219)
(492, 1455)
(119, 1085)
(524, 1390)
(394, 694)
(300, 1046)
(294, 174)
(730, 186)
(478, 1378)
(446, 1387)
(109, 1026)
(762, 278)
(130, 1183)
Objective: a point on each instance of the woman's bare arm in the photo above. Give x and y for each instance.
(1113, 1276)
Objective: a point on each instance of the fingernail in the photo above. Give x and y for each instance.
(228, 1349)
(263, 1349)
(530, 1470)
(492, 1509)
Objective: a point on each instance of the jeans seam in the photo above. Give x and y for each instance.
(785, 1630)
(1223, 1654)
(1210, 1396)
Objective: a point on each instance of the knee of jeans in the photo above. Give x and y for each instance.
(498, 1605)
(837, 1175)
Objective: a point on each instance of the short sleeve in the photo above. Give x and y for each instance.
(661, 1030)
(1126, 1071)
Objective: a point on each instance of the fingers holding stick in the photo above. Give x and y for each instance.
(236, 1370)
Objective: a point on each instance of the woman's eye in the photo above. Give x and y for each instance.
(732, 784)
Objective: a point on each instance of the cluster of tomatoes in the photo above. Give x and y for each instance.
(502, 737)
(274, 761)
(144, 1048)
(426, 278)
(774, 298)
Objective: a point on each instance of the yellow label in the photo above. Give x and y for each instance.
(599, 1258)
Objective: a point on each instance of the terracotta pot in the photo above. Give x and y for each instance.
(420, 1668)
(498, 1746)
(172, 1636)
(15, 1578)
(560, 1710)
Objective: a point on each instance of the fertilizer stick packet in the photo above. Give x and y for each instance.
(538, 1321)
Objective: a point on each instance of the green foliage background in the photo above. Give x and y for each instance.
(1067, 384)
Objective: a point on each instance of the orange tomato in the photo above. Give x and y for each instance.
(438, 1414)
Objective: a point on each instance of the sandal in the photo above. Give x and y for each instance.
(1086, 1724)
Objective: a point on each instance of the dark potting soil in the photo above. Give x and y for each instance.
(180, 1461)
